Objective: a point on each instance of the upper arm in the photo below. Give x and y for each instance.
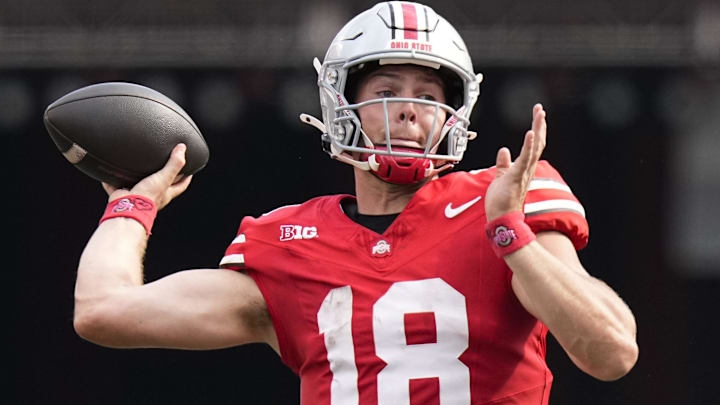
(589, 320)
(192, 309)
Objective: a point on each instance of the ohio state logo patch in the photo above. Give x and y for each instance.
(123, 205)
(128, 204)
(381, 248)
(503, 236)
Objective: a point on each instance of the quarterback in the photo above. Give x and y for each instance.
(425, 287)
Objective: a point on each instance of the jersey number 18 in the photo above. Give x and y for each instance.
(404, 361)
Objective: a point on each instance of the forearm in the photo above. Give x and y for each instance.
(112, 259)
(587, 318)
(191, 309)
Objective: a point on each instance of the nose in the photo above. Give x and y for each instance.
(407, 112)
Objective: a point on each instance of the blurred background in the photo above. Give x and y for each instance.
(632, 90)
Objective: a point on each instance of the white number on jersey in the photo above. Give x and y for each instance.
(335, 323)
(404, 361)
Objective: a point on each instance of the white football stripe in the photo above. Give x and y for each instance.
(236, 259)
(75, 154)
(544, 184)
(239, 239)
(554, 205)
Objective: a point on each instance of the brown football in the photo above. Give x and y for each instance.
(119, 132)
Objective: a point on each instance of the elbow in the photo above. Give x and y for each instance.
(87, 323)
(92, 321)
(618, 362)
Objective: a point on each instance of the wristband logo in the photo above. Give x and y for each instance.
(142, 204)
(123, 205)
(127, 204)
(503, 236)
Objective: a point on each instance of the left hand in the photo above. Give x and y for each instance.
(507, 191)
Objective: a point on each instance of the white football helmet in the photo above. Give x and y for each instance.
(395, 33)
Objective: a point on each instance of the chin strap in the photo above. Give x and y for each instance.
(402, 170)
(399, 170)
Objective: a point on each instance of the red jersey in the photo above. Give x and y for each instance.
(421, 314)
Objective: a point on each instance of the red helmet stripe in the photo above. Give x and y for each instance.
(410, 21)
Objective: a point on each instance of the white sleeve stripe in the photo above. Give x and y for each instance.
(542, 207)
(239, 239)
(476, 171)
(544, 184)
(279, 208)
(230, 260)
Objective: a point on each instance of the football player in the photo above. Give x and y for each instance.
(420, 288)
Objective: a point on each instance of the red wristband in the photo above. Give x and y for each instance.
(509, 233)
(137, 207)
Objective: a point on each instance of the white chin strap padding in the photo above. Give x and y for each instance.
(374, 165)
(430, 170)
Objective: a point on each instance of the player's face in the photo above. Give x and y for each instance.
(410, 123)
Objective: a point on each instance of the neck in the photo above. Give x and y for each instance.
(377, 197)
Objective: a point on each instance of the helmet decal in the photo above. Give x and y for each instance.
(411, 18)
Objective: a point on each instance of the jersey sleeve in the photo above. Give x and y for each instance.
(234, 258)
(257, 252)
(550, 205)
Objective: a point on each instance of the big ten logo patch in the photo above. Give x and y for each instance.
(291, 232)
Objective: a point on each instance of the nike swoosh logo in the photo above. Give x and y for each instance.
(451, 212)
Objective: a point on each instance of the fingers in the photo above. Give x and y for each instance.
(539, 127)
(179, 187)
(534, 142)
(173, 166)
(157, 186)
(503, 159)
(532, 148)
(108, 188)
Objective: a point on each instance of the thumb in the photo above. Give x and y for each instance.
(503, 160)
(173, 166)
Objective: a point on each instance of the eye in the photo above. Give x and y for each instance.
(385, 93)
(428, 97)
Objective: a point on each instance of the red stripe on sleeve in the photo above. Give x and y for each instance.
(410, 21)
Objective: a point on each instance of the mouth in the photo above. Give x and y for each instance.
(403, 147)
(406, 143)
